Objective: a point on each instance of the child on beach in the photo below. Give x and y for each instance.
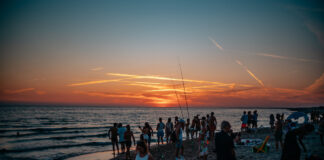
(160, 131)
(203, 144)
(179, 146)
(112, 134)
(128, 140)
(168, 130)
(121, 132)
(142, 152)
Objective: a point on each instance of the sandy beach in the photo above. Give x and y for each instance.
(166, 151)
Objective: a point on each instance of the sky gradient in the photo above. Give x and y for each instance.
(251, 54)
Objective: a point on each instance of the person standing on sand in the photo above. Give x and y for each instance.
(168, 130)
(147, 133)
(179, 146)
(244, 120)
(188, 129)
(272, 120)
(160, 131)
(255, 119)
(142, 152)
(203, 144)
(212, 125)
(224, 145)
(278, 131)
(128, 140)
(121, 132)
(176, 119)
(249, 119)
(112, 134)
(321, 129)
(291, 150)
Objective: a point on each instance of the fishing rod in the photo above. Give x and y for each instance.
(184, 88)
(178, 100)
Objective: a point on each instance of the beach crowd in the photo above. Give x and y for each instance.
(202, 131)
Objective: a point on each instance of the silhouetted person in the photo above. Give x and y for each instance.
(112, 134)
(142, 152)
(278, 131)
(121, 132)
(128, 140)
(224, 145)
(179, 146)
(291, 150)
(160, 131)
(272, 120)
(168, 129)
(244, 120)
(255, 119)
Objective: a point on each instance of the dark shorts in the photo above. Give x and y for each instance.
(168, 133)
(114, 140)
(160, 134)
(128, 143)
(122, 142)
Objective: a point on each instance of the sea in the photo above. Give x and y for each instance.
(61, 132)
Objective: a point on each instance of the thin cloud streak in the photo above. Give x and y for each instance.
(93, 82)
(251, 74)
(172, 79)
(287, 58)
(97, 69)
(8, 91)
(216, 44)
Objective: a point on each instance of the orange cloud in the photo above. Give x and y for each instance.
(317, 86)
(7, 91)
(94, 82)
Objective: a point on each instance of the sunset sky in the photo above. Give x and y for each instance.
(129, 53)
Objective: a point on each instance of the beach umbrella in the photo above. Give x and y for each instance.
(297, 115)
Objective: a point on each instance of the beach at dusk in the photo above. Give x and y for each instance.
(101, 79)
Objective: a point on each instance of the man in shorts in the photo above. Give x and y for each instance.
(244, 120)
(121, 132)
(168, 129)
(112, 134)
(160, 131)
(128, 135)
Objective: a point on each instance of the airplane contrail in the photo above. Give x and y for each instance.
(251, 74)
(216, 44)
(287, 58)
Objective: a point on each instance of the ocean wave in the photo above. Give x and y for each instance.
(54, 147)
(59, 138)
(38, 133)
(53, 129)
